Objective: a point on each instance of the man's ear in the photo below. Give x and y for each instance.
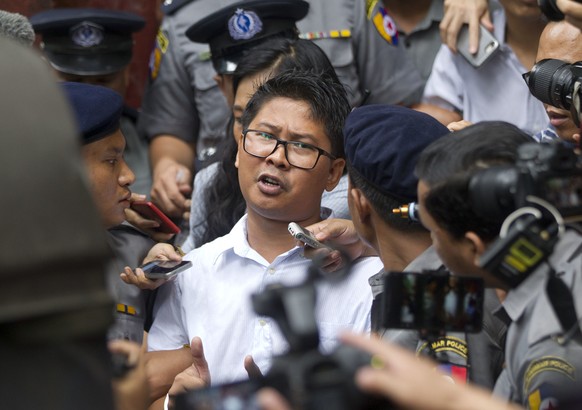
(478, 247)
(361, 205)
(225, 86)
(335, 173)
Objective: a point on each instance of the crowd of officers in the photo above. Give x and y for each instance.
(375, 109)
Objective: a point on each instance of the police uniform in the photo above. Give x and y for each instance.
(98, 112)
(542, 363)
(477, 358)
(182, 98)
(96, 42)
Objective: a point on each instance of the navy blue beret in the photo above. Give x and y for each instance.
(85, 41)
(383, 142)
(235, 28)
(97, 109)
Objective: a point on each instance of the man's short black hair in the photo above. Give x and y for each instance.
(326, 97)
(448, 164)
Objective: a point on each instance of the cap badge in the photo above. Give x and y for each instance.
(243, 25)
(87, 34)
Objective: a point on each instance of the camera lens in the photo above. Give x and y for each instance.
(551, 82)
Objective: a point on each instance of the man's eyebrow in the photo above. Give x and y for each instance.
(294, 135)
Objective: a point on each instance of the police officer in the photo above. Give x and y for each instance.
(95, 46)
(183, 107)
(543, 348)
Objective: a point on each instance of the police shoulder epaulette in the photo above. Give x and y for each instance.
(316, 35)
(171, 6)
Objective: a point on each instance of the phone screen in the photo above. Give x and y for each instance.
(232, 396)
(433, 301)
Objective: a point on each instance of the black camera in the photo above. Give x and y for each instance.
(534, 198)
(306, 377)
(557, 83)
(551, 10)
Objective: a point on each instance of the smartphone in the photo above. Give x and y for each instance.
(303, 235)
(488, 46)
(150, 211)
(164, 269)
(231, 396)
(433, 301)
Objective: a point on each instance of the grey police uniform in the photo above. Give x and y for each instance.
(182, 98)
(136, 152)
(541, 365)
(474, 357)
(129, 247)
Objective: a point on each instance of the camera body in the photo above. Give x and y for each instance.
(534, 197)
(557, 83)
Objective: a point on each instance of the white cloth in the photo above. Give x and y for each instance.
(494, 92)
(212, 300)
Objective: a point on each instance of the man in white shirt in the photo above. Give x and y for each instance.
(290, 151)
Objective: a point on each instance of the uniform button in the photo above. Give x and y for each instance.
(262, 322)
(271, 271)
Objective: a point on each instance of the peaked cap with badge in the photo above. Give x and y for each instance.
(234, 29)
(85, 41)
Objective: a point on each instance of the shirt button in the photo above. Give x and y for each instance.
(262, 322)
(271, 271)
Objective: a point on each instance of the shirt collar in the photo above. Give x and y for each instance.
(237, 240)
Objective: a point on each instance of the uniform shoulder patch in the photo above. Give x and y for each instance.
(543, 399)
(385, 25)
(547, 364)
(446, 344)
(162, 44)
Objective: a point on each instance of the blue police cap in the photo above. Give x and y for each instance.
(234, 29)
(97, 109)
(84, 41)
(383, 142)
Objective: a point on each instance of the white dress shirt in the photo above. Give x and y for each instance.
(212, 300)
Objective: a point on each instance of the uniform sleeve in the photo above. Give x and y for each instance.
(168, 105)
(444, 87)
(384, 69)
(167, 331)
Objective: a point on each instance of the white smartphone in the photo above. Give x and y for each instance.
(303, 235)
(488, 46)
(164, 269)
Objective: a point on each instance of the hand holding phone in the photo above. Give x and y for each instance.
(163, 269)
(303, 235)
(488, 46)
(148, 210)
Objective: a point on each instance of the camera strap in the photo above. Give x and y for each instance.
(563, 303)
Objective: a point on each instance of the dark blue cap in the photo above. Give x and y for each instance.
(97, 109)
(240, 26)
(383, 142)
(86, 41)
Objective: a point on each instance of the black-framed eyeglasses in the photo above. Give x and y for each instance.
(261, 144)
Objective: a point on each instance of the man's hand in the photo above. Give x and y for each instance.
(161, 251)
(459, 12)
(131, 389)
(171, 187)
(194, 377)
(251, 367)
(149, 226)
(339, 234)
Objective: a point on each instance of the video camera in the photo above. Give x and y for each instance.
(535, 197)
(307, 378)
(557, 83)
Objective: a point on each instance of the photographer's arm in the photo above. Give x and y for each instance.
(399, 375)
